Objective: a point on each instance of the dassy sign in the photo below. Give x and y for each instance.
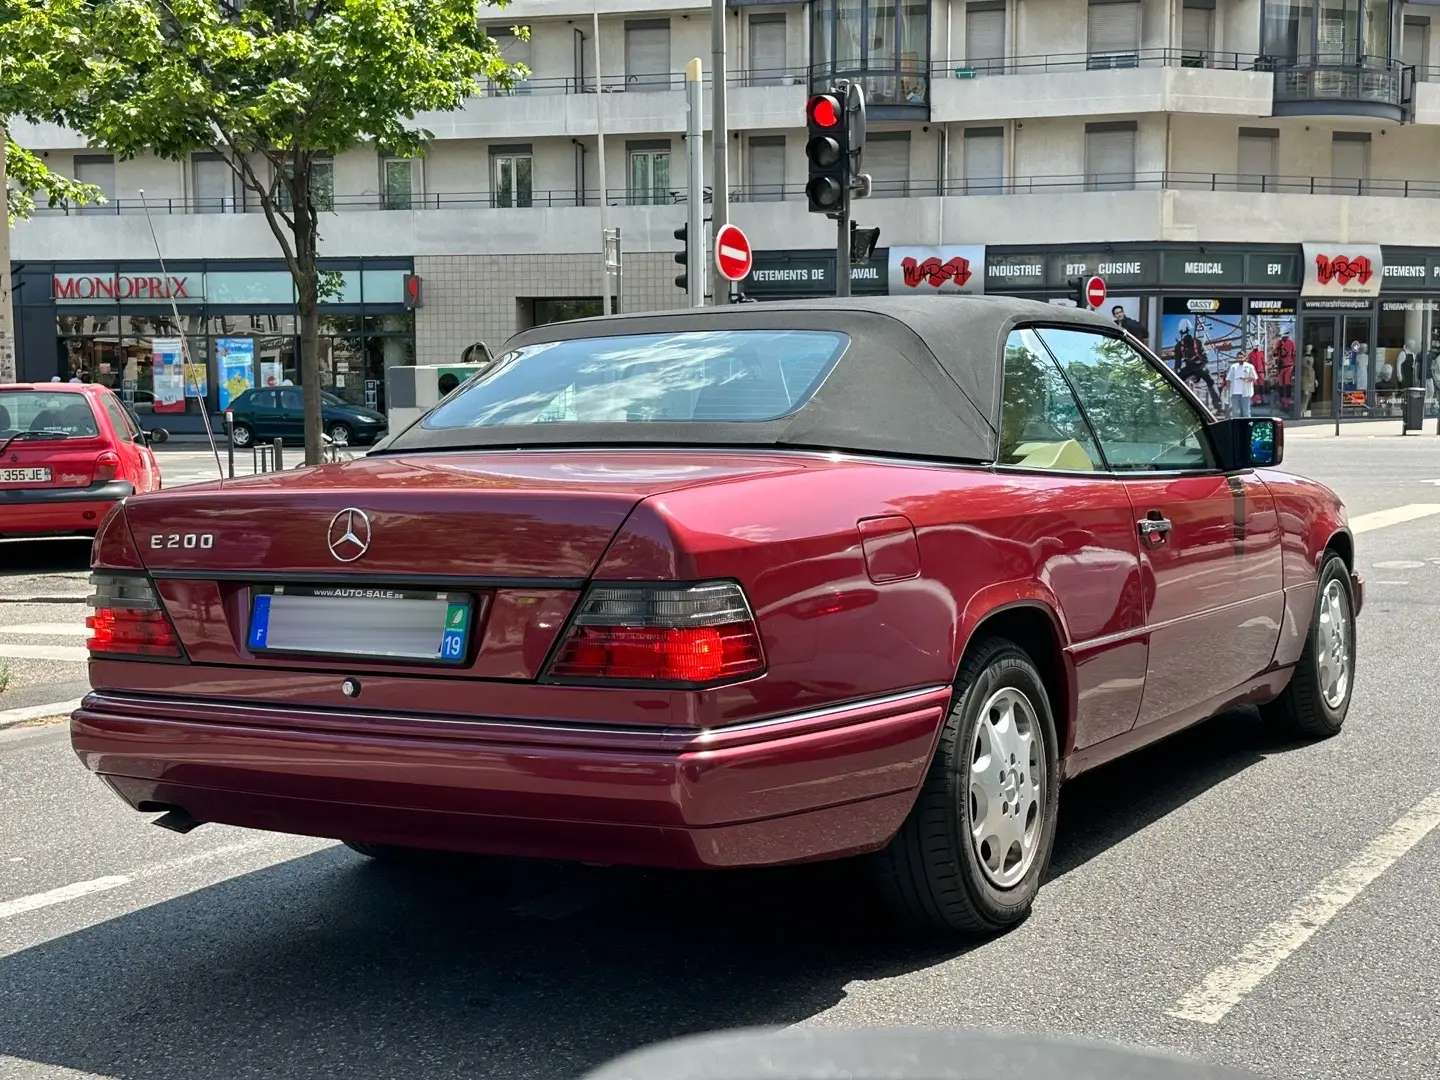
(1342, 270)
(131, 288)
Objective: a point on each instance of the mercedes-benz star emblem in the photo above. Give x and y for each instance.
(349, 534)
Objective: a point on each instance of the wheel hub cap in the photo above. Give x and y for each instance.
(1007, 787)
(1332, 644)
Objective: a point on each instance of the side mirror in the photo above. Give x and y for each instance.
(1249, 442)
(158, 435)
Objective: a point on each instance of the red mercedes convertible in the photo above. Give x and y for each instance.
(728, 587)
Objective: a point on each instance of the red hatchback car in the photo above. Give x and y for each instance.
(68, 453)
(729, 587)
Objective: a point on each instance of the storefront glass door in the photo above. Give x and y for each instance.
(1317, 353)
(1337, 368)
(1357, 385)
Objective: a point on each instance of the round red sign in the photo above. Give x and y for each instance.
(733, 257)
(1095, 291)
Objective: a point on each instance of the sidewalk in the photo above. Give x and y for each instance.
(1370, 429)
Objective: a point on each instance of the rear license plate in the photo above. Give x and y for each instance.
(380, 624)
(24, 476)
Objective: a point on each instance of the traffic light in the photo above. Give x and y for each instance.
(1077, 293)
(828, 151)
(862, 243)
(682, 280)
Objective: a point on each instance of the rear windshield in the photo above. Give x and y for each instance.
(694, 376)
(60, 416)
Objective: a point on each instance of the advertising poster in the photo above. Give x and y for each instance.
(235, 359)
(270, 373)
(1270, 347)
(1199, 338)
(168, 374)
(196, 381)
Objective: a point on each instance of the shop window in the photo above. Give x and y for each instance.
(887, 160)
(767, 168)
(516, 51)
(1113, 34)
(542, 310)
(985, 36)
(984, 160)
(649, 173)
(1402, 353)
(512, 171)
(647, 54)
(1258, 159)
(1350, 162)
(98, 170)
(398, 183)
(1196, 32)
(767, 50)
(1110, 156)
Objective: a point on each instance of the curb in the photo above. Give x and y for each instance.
(11, 717)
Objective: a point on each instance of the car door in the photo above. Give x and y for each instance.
(1076, 522)
(291, 415)
(1209, 542)
(262, 412)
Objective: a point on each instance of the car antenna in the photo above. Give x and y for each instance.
(184, 338)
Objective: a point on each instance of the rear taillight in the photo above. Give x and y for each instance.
(106, 466)
(686, 634)
(127, 619)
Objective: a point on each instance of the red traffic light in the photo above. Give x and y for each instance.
(825, 111)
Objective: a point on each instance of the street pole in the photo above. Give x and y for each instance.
(600, 163)
(695, 194)
(720, 136)
(8, 371)
(842, 252)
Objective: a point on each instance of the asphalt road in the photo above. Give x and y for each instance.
(1297, 880)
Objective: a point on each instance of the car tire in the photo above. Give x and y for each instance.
(933, 873)
(241, 435)
(340, 434)
(1317, 698)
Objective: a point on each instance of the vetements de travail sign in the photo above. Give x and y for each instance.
(777, 273)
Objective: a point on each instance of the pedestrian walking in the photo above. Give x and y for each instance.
(1241, 379)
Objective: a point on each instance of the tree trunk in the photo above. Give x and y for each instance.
(309, 296)
(8, 372)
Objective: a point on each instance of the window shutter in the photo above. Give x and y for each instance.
(887, 161)
(767, 169)
(1256, 162)
(1110, 159)
(1195, 31)
(214, 186)
(985, 39)
(984, 160)
(1412, 46)
(1349, 162)
(767, 50)
(647, 56)
(1114, 34)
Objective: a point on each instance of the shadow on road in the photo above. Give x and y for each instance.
(330, 965)
(52, 555)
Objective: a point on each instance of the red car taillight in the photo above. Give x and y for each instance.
(127, 619)
(687, 634)
(106, 466)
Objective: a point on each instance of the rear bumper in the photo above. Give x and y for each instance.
(51, 510)
(811, 786)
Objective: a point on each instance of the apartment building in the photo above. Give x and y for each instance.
(1260, 176)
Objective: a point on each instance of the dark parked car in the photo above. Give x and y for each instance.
(279, 413)
(730, 587)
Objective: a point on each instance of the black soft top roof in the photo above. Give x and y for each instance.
(920, 377)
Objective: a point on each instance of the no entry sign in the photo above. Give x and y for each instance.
(1095, 292)
(733, 256)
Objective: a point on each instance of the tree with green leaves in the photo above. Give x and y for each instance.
(274, 86)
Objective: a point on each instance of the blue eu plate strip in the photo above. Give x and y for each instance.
(452, 641)
(260, 621)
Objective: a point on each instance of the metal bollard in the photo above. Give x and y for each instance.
(230, 441)
(279, 455)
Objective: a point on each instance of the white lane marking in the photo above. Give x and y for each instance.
(1395, 516)
(1398, 564)
(37, 712)
(1228, 984)
(10, 908)
(75, 654)
(57, 629)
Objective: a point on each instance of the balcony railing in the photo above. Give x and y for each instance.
(1052, 63)
(1372, 81)
(1048, 184)
(641, 82)
(899, 84)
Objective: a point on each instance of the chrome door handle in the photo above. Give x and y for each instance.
(1154, 530)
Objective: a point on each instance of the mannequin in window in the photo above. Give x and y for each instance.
(1406, 365)
(1307, 377)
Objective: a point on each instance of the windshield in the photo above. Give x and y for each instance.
(61, 415)
(692, 376)
(331, 399)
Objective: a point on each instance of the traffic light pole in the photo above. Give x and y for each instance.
(842, 255)
(695, 195)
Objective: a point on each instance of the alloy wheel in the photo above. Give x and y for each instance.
(1007, 787)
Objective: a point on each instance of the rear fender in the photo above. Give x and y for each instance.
(114, 547)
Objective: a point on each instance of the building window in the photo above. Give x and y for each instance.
(1114, 34)
(887, 160)
(649, 173)
(1310, 32)
(322, 186)
(767, 51)
(880, 43)
(984, 161)
(511, 176)
(1257, 159)
(1350, 162)
(767, 168)
(100, 171)
(1196, 33)
(212, 184)
(1110, 156)
(985, 37)
(647, 54)
(398, 183)
(1415, 46)
(515, 51)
